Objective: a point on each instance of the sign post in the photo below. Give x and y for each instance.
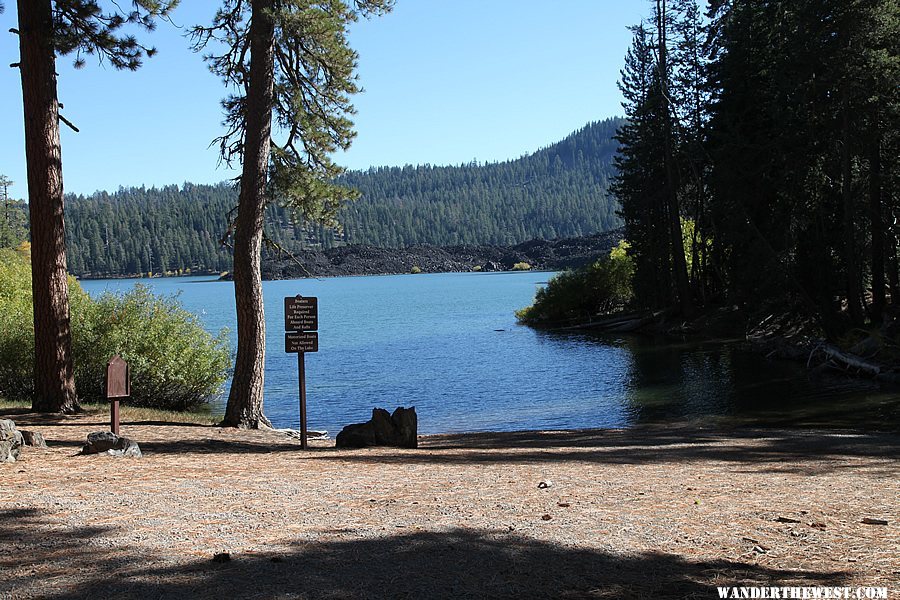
(118, 385)
(301, 320)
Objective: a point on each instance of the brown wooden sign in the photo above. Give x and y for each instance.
(301, 313)
(118, 378)
(117, 385)
(301, 341)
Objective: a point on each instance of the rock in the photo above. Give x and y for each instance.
(359, 435)
(407, 425)
(386, 433)
(112, 444)
(384, 429)
(33, 438)
(11, 441)
(100, 441)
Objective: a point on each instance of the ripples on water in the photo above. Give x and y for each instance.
(449, 345)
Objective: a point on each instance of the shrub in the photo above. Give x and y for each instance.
(599, 288)
(175, 364)
(415, 270)
(521, 266)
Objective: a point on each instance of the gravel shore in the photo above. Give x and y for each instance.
(651, 512)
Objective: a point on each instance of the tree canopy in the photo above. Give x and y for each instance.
(785, 122)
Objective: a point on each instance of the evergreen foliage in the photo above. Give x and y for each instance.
(785, 149)
(48, 29)
(13, 218)
(558, 191)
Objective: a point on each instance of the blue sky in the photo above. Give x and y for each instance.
(446, 82)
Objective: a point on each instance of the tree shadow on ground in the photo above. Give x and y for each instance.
(50, 562)
(759, 449)
(762, 450)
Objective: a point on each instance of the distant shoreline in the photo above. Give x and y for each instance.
(344, 261)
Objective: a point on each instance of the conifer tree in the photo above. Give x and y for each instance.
(294, 67)
(47, 29)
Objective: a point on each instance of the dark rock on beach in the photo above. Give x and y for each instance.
(399, 430)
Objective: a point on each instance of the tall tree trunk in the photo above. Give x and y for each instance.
(851, 267)
(877, 226)
(893, 271)
(245, 400)
(54, 383)
(679, 263)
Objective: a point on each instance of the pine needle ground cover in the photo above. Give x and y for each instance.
(667, 512)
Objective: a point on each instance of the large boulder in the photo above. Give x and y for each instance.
(383, 429)
(11, 441)
(112, 444)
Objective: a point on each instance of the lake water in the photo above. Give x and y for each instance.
(449, 345)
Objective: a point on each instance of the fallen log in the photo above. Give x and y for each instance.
(845, 359)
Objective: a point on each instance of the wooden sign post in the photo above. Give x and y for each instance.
(301, 320)
(118, 385)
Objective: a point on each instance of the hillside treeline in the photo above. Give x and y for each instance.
(558, 191)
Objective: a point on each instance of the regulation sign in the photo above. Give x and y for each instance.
(301, 313)
(301, 341)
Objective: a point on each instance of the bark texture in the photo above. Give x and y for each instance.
(245, 400)
(877, 230)
(54, 383)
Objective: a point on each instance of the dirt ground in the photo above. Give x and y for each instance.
(652, 512)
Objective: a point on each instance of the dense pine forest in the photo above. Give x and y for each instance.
(760, 164)
(558, 191)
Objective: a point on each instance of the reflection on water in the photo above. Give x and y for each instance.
(673, 381)
(449, 345)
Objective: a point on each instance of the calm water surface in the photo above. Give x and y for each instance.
(449, 345)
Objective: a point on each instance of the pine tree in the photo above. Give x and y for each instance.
(293, 64)
(47, 29)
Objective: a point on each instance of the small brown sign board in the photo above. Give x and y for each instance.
(301, 313)
(302, 341)
(118, 378)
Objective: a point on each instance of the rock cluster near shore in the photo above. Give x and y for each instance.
(370, 260)
(383, 429)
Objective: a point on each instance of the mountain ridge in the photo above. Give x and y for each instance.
(558, 191)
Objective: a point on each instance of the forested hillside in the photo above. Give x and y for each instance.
(558, 191)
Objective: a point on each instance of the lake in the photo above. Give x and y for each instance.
(449, 345)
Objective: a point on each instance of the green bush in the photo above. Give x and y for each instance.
(416, 270)
(175, 364)
(521, 266)
(599, 288)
